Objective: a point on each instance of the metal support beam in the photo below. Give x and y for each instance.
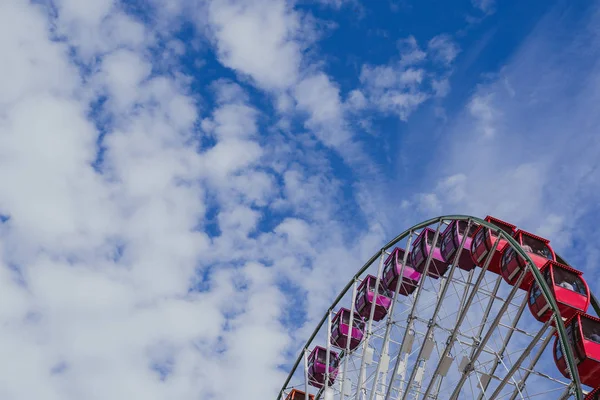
(412, 312)
(327, 351)
(505, 344)
(305, 373)
(437, 309)
(520, 360)
(566, 393)
(463, 313)
(477, 351)
(348, 338)
(532, 364)
(368, 333)
(389, 320)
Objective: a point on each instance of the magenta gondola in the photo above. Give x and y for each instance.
(391, 273)
(366, 296)
(451, 240)
(583, 335)
(569, 289)
(317, 366)
(484, 239)
(340, 328)
(422, 248)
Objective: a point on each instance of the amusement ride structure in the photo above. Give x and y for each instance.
(456, 307)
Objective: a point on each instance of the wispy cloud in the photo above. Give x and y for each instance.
(407, 81)
(443, 49)
(525, 147)
(487, 6)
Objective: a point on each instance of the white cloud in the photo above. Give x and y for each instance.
(410, 51)
(402, 85)
(440, 87)
(242, 220)
(235, 121)
(124, 71)
(107, 260)
(257, 39)
(105, 246)
(484, 113)
(443, 49)
(264, 40)
(338, 3)
(384, 77)
(320, 98)
(487, 6)
(356, 100)
(97, 27)
(393, 89)
(34, 65)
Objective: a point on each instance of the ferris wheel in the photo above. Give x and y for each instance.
(456, 307)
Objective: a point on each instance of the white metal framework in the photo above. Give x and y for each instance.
(465, 335)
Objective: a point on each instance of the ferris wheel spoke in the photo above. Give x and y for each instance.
(368, 332)
(305, 371)
(509, 334)
(424, 353)
(519, 361)
(348, 342)
(521, 384)
(463, 313)
(566, 393)
(389, 322)
(479, 348)
(410, 322)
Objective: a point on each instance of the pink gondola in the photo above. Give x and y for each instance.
(317, 366)
(340, 327)
(451, 240)
(422, 248)
(391, 273)
(366, 296)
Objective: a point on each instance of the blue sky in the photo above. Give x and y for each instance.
(190, 183)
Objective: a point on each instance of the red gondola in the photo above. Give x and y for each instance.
(569, 289)
(451, 240)
(583, 335)
(366, 296)
(391, 272)
(420, 251)
(593, 395)
(296, 394)
(538, 250)
(483, 241)
(317, 361)
(340, 328)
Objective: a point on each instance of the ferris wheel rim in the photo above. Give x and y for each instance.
(538, 278)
